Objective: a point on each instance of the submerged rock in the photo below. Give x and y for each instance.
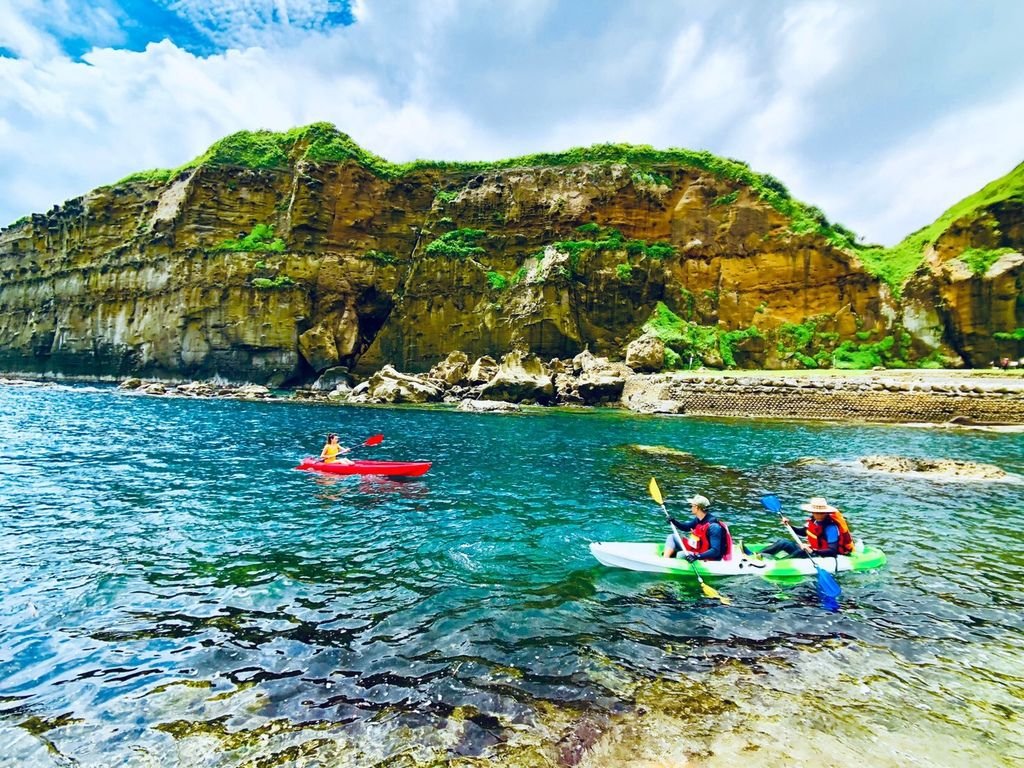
(488, 406)
(948, 468)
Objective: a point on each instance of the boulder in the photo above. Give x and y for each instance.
(520, 376)
(482, 370)
(599, 380)
(453, 370)
(646, 354)
(391, 386)
(330, 379)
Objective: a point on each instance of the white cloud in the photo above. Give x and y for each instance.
(912, 184)
(454, 80)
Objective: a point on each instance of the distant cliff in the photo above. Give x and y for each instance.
(274, 257)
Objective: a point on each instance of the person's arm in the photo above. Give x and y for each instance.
(714, 550)
(687, 526)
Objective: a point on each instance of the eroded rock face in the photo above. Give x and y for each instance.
(133, 279)
(960, 312)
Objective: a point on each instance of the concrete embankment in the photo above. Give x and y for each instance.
(973, 397)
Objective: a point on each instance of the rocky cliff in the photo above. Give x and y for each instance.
(277, 256)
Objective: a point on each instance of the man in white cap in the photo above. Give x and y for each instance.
(827, 533)
(709, 537)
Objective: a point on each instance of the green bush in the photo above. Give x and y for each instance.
(459, 244)
(497, 280)
(260, 239)
(650, 179)
(264, 283)
(980, 259)
(890, 351)
(611, 239)
(446, 197)
(728, 199)
(689, 339)
(381, 257)
(1015, 335)
(624, 272)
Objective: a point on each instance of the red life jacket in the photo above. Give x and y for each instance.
(703, 543)
(816, 533)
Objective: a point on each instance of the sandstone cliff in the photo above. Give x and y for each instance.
(276, 256)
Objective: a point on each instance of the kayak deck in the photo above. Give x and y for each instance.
(647, 556)
(384, 468)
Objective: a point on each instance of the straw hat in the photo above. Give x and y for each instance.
(818, 504)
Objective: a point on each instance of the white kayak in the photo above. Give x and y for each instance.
(644, 556)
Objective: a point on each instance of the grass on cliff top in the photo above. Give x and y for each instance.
(896, 264)
(322, 142)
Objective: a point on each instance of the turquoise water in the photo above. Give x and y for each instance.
(173, 592)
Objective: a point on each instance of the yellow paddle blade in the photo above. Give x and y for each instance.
(711, 592)
(655, 491)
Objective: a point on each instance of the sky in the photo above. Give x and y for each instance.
(883, 114)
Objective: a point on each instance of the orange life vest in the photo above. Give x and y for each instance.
(816, 534)
(703, 541)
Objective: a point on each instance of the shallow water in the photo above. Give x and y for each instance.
(174, 593)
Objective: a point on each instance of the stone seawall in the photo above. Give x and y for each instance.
(889, 398)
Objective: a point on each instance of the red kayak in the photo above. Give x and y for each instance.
(389, 468)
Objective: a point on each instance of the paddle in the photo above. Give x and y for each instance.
(708, 591)
(369, 442)
(828, 588)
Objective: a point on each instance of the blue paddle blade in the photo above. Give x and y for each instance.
(829, 603)
(772, 504)
(828, 590)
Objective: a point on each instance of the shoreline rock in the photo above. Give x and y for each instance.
(934, 398)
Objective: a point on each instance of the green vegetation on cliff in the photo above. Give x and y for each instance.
(980, 259)
(896, 264)
(458, 244)
(260, 239)
(610, 239)
(686, 341)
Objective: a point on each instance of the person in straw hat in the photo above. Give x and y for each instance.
(827, 533)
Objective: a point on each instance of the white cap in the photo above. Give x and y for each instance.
(699, 501)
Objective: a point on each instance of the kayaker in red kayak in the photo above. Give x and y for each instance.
(329, 454)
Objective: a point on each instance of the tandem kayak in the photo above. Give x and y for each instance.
(648, 557)
(386, 468)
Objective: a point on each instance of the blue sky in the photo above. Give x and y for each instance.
(883, 114)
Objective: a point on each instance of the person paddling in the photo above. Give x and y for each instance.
(331, 449)
(827, 532)
(713, 541)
